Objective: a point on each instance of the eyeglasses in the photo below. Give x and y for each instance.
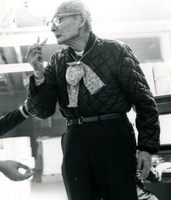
(58, 18)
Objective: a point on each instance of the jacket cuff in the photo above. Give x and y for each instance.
(37, 80)
(23, 111)
(33, 88)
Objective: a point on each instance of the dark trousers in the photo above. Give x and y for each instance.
(99, 161)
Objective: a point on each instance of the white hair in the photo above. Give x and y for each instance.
(72, 6)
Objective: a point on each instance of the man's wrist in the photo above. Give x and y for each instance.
(39, 75)
(142, 152)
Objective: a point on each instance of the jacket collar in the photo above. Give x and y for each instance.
(91, 40)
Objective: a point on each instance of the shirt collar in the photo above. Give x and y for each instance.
(91, 40)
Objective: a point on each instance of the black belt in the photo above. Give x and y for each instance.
(82, 120)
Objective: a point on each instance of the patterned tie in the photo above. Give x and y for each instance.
(74, 73)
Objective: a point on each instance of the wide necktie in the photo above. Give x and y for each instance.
(74, 73)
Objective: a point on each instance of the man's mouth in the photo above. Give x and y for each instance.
(57, 36)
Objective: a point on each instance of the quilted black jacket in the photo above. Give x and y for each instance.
(125, 85)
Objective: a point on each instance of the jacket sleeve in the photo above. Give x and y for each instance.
(42, 99)
(11, 120)
(136, 89)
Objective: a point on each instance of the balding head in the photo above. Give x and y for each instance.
(76, 6)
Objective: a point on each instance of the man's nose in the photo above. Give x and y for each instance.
(54, 27)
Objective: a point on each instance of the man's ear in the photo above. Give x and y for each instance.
(82, 19)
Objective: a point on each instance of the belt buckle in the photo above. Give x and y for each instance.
(80, 120)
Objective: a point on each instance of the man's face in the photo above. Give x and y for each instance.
(65, 26)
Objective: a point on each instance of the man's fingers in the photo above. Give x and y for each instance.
(139, 165)
(37, 46)
(145, 172)
(44, 42)
(23, 166)
(38, 40)
(34, 47)
(23, 173)
(29, 172)
(33, 55)
(32, 50)
(38, 57)
(21, 177)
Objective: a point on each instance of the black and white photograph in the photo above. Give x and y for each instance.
(85, 100)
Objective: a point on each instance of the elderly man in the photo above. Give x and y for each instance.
(95, 82)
